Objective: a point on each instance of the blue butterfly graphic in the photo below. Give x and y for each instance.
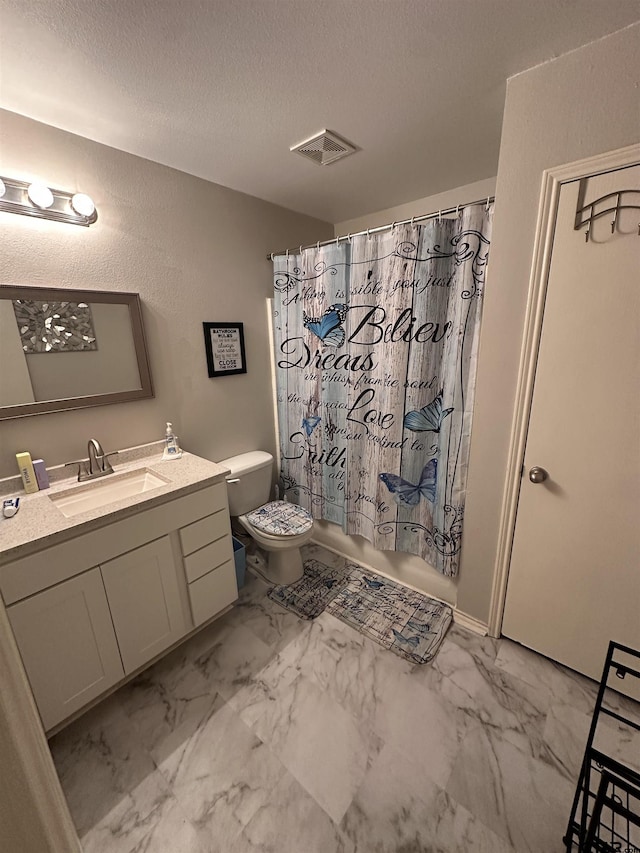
(372, 584)
(328, 327)
(310, 423)
(409, 641)
(429, 418)
(406, 493)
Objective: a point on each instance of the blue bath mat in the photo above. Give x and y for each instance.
(406, 622)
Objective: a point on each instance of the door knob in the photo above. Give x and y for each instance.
(537, 475)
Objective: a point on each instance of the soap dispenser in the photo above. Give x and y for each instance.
(171, 446)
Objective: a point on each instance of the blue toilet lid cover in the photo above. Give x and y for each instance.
(280, 518)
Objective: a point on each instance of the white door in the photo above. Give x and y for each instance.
(574, 579)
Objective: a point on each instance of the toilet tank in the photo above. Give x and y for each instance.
(253, 471)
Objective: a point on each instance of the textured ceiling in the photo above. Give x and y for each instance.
(223, 88)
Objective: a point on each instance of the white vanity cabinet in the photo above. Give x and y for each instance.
(89, 611)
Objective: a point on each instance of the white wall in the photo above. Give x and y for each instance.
(195, 252)
(581, 104)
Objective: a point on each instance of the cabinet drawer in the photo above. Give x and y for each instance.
(213, 592)
(201, 533)
(208, 558)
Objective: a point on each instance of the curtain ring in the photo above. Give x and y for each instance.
(272, 256)
(349, 237)
(337, 241)
(457, 210)
(300, 249)
(439, 216)
(412, 218)
(318, 246)
(488, 202)
(287, 253)
(393, 225)
(368, 234)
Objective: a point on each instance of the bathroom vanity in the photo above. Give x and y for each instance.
(100, 579)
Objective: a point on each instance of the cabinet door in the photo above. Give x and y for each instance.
(68, 645)
(144, 598)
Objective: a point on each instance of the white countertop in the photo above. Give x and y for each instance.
(39, 523)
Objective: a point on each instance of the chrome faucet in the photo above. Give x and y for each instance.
(98, 462)
(97, 465)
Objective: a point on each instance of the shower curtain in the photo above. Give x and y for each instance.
(376, 345)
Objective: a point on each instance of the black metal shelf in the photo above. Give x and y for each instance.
(605, 816)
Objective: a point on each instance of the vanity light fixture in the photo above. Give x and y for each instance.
(43, 202)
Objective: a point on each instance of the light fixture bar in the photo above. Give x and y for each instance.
(15, 199)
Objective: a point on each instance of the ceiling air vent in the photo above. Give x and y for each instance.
(324, 148)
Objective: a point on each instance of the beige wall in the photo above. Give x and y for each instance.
(579, 105)
(195, 252)
(430, 204)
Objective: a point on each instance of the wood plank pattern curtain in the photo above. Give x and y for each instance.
(375, 349)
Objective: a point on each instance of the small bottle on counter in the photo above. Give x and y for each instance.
(172, 448)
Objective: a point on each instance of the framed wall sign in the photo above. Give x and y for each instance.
(224, 345)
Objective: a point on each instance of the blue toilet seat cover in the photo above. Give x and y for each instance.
(280, 518)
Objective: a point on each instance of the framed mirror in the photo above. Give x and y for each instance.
(67, 349)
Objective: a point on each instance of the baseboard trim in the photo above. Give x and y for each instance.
(470, 623)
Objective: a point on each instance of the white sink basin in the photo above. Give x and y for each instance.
(99, 493)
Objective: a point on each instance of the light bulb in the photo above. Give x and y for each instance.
(40, 195)
(3, 188)
(83, 204)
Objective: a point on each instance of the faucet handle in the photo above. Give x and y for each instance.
(83, 471)
(106, 465)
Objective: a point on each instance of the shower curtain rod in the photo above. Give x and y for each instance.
(412, 220)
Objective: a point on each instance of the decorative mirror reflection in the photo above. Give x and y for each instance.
(67, 349)
(54, 326)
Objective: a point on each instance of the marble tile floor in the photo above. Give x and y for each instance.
(268, 733)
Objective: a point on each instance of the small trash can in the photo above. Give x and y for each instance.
(240, 559)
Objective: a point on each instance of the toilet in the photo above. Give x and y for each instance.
(278, 527)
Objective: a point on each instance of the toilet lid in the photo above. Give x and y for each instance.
(280, 518)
